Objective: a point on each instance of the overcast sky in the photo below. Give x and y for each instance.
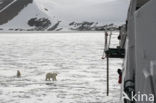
(103, 11)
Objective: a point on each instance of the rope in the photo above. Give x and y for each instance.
(110, 38)
(107, 76)
(106, 40)
(106, 56)
(105, 44)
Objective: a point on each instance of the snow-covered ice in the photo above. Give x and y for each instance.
(76, 57)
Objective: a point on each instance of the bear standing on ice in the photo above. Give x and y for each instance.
(51, 75)
(18, 74)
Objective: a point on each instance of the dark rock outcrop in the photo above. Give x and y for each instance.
(90, 26)
(39, 24)
(54, 27)
(13, 10)
(84, 26)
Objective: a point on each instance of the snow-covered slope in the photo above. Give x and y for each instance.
(52, 15)
(30, 17)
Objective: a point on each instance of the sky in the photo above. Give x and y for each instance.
(103, 11)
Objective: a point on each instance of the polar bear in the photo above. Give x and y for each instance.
(51, 75)
(18, 74)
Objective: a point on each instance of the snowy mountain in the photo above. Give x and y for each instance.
(25, 15)
(47, 15)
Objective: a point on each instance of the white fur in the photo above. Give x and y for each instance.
(18, 74)
(51, 75)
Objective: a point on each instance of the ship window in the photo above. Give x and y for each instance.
(140, 3)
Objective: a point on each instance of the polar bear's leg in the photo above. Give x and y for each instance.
(54, 78)
(47, 78)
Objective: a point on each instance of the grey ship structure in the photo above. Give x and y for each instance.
(138, 48)
(138, 37)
